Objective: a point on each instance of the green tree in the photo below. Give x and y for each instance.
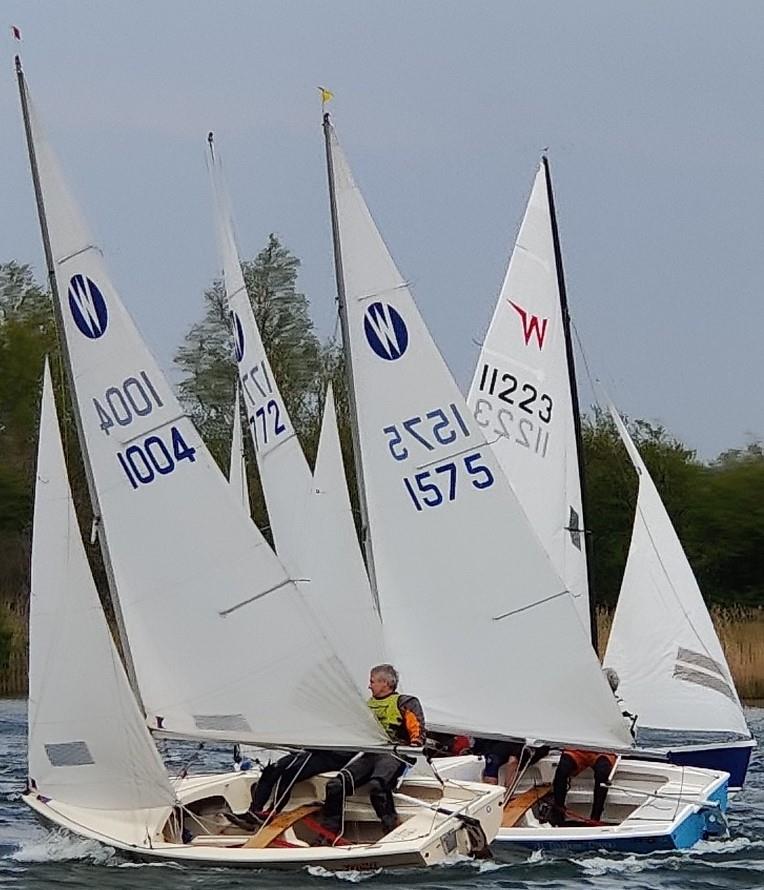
(299, 361)
(26, 334)
(294, 350)
(611, 486)
(726, 527)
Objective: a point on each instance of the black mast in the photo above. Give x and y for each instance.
(573, 398)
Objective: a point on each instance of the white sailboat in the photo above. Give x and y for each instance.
(663, 643)
(221, 643)
(310, 517)
(475, 614)
(524, 396)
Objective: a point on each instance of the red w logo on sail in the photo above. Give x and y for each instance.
(531, 325)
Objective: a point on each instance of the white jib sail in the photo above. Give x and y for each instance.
(224, 643)
(475, 616)
(311, 518)
(333, 548)
(663, 643)
(520, 396)
(88, 744)
(237, 468)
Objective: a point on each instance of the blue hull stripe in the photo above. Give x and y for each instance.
(731, 760)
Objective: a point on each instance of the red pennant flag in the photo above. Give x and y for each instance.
(15, 33)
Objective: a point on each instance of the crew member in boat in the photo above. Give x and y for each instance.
(511, 755)
(572, 762)
(515, 757)
(278, 779)
(402, 719)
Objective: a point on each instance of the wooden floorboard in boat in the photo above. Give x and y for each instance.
(518, 806)
(279, 824)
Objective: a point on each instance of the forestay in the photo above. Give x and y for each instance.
(225, 645)
(663, 643)
(521, 398)
(88, 745)
(476, 618)
(310, 517)
(237, 468)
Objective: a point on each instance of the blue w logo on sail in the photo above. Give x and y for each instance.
(87, 306)
(238, 336)
(386, 331)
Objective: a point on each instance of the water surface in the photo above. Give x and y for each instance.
(32, 858)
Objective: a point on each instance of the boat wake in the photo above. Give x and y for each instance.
(61, 847)
(486, 866)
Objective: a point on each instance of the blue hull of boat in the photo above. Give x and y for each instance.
(708, 822)
(732, 759)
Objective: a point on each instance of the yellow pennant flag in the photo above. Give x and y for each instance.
(326, 95)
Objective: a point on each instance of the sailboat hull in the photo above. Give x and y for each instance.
(650, 806)
(730, 757)
(424, 837)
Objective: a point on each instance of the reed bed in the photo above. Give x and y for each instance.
(741, 631)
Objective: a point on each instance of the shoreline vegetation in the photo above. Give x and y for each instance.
(740, 629)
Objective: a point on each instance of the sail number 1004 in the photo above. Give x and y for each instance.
(143, 462)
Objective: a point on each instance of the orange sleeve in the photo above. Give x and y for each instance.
(413, 720)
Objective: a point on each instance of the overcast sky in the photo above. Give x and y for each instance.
(653, 113)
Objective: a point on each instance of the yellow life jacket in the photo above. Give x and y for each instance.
(388, 713)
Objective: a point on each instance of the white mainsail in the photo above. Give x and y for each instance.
(88, 744)
(311, 518)
(476, 617)
(521, 396)
(224, 644)
(663, 643)
(237, 468)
